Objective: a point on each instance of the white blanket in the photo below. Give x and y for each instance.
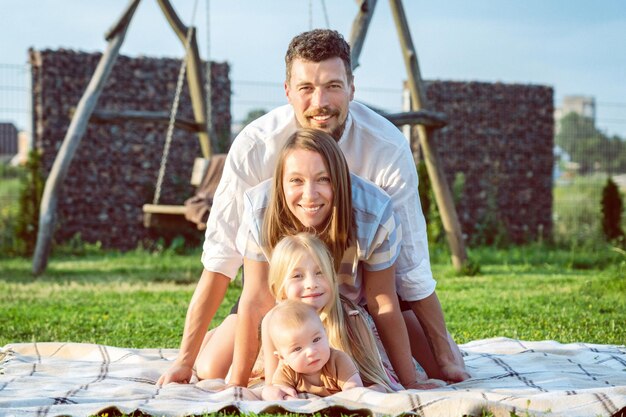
(526, 378)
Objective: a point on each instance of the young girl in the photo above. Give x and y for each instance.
(301, 268)
(307, 362)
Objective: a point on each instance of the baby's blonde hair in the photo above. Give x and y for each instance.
(346, 332)
(290, 315)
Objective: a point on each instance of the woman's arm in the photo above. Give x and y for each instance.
(254, 303)
(270, 361)
(382, 303)
(206, 299)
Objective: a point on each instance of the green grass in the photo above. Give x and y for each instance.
(138, 299)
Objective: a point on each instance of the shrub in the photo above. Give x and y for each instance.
(27, 220)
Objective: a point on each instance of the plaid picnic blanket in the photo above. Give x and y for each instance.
(508, 376)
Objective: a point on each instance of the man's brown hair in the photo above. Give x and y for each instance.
(318, 45)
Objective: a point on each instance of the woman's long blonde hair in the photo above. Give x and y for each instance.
(279, 221)
(346, 332)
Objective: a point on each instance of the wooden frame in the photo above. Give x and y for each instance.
(115, 37)
(425, 120)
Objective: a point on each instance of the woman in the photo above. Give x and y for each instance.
(312, 190)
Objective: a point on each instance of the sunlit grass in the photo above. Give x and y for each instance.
(139, 299)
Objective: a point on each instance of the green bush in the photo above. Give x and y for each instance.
(434, 226)
(11, 179)
(27, 220)
(8, 172)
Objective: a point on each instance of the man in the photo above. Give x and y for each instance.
(319, 87)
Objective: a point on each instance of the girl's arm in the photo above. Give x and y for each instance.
(254, 303)
(382, 303)
(206, 299)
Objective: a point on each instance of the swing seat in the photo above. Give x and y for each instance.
(206, 176)
(164, 217)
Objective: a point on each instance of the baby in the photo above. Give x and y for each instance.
(307, 362)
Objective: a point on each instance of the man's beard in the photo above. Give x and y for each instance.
(326, 111)
(338, 131)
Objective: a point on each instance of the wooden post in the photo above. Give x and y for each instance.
(359, 30)
(194, 77)
(75, 132)
(443, 196)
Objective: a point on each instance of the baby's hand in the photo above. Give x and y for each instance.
(278, 393)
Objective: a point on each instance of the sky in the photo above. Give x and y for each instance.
(578, 47)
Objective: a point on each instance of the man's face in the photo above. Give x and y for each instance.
(320, 93)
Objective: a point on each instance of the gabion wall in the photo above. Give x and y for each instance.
(115, 168)
(500, 137)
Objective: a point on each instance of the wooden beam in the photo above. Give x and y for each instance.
(443, 196)
(194, 77)
(359, 29)
(75, 132)
(123, 21)
(431, 119)
(111, 116)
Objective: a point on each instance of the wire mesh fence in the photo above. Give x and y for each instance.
(585, 155)
(15, 96)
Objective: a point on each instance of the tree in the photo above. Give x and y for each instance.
(612, 207)
(252, 116)
(589, 147)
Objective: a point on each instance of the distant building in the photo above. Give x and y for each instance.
(8, 139)
(581, 105)
(23, 146)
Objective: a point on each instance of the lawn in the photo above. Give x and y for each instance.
(139, 299)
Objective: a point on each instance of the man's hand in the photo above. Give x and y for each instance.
(278, 393)
(455, 373)
(177, 373)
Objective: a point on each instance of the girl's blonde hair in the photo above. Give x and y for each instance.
(346, 332)
(279, 221)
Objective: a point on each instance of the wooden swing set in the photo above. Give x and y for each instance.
(208, 168)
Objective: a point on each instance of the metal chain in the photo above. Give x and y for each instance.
(209, 75)
(173, 112)
(325, 14)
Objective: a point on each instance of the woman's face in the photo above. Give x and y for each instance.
(307, 283)
(307, 188)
